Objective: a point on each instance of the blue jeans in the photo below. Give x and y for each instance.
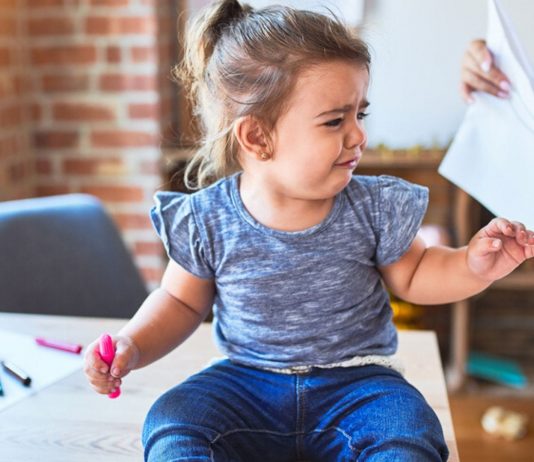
(230, 412)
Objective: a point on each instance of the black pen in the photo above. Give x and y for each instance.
(17, 372)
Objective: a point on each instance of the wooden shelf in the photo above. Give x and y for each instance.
(467, 214)
(521, 279)
(399, 158)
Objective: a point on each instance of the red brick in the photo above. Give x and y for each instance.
(112, 25)
(51, 190)
(132, 220)
(5, 56)
(36, 112)
(68, 54)
(144, 54)
(122, 139)
(113, 54)
(10, 145)
(22, 84)
(143, 111)
(33, 4)
(8, 27)
(11, 116)
(125, 82)
(56, 139)
(82, 112)
(93, 166)
(65, 83)
(51, 26)
(115, 193)
(18, 171)
(43, 166)
(148, 248)
(110, 3)
(8, 4)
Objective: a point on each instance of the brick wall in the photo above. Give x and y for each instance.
(16, 155)
(86, 93)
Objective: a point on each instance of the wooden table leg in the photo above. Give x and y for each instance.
(459, 346)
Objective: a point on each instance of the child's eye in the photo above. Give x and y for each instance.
(362, 115)
(334, 123)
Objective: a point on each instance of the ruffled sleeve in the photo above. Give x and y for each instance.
(401, 208)
(175, 223)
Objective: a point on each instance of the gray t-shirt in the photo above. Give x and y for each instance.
(290, 299)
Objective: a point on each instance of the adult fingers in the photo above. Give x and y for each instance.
(478, 61)
(480, 81)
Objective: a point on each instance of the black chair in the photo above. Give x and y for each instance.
(63, 255)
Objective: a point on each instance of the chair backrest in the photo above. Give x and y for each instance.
(64, 255)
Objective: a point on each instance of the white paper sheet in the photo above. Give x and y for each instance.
(44, 365)
(492, 155)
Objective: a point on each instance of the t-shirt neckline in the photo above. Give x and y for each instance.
(247, 217)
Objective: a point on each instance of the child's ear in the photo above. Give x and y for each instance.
(251, 136)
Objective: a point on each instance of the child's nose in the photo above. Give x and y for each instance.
(356, 137)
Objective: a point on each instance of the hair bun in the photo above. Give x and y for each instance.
(227, 12)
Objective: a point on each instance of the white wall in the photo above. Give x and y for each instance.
(417, 46)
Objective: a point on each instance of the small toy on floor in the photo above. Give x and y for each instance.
(498, 370)
(504, 423)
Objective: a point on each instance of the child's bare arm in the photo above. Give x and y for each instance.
(166, 318)
(442, 275)
(170, 314)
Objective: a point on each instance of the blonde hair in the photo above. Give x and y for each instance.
(244, 62)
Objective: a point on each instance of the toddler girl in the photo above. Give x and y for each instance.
(291, 251)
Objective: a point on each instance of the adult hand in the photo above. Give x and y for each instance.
(479, 73)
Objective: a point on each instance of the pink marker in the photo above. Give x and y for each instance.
(59, 345)
(107, 353)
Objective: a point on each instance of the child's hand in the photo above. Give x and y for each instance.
(498, 248)
(105, 379)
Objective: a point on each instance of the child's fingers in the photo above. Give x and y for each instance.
(106, 387)
(501, 226)
(514, 229)
(98, 372)
(126, 355)
(487, 245)
(521, 233)
(93, 364)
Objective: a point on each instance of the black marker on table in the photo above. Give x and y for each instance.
(17, 372)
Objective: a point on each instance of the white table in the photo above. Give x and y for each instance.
(69, 422)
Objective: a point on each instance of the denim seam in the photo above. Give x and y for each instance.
(148, 445)
(355, 451)
(300, 417)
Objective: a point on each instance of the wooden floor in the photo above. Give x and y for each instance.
(474, 445)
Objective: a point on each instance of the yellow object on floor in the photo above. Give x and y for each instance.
(406, 315)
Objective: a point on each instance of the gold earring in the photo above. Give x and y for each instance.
(264, 155)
